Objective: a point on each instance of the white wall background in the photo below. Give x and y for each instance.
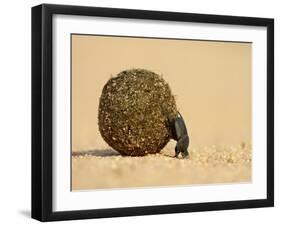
(15, 113)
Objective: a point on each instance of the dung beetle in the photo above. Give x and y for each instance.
(179, 133)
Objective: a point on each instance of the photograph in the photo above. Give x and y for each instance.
(150, 112)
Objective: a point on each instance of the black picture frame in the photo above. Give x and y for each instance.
(42, 107)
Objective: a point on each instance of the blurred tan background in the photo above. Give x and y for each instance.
(211, 82)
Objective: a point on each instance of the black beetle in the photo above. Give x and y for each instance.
(180, 134)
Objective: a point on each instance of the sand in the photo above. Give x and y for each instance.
(104, 169)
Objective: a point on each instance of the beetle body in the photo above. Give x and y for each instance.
(180, 134)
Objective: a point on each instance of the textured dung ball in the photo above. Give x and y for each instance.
(135, 109)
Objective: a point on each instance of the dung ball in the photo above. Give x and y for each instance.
(135, 110)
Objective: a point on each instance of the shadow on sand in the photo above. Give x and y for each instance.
(106, 153)
(98, 153)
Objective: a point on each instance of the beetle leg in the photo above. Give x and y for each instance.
(177, 151)
(185, 154)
